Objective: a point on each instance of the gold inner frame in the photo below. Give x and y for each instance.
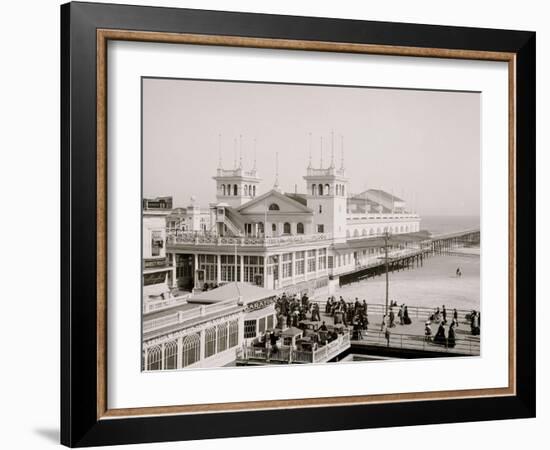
(104, 35)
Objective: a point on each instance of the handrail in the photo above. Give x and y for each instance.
(416, 342)
(414, 311)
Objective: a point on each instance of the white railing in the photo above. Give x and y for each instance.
(184, 316)
(381, 216)
(206, 238)
(160, 304)
(289, 355)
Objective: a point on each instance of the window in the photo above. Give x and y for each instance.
(330, 262)
(314, 189)
(311, 260)
(210, 342)
(270, 322)
(222, 337)
(227, 265)
(253, 268)
(320, 209)
(154, 357)
(223, 189)
(327, 189)
(274, 207)
(261, 325)
(156, 243)
(300, 263)
(286, 228)
(249, 329)
(208, 263)
(253, 191)
(320, 228)
(245, 190)
(233, 333)
(287, 265)
(320, 189)
(191, 349)
(235, 189)
(337, 189)
(322, 260)
(274, 227)
(170, 355)
(300, 228)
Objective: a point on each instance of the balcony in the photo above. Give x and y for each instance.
(210, 239)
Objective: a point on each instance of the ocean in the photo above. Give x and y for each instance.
(448, 224)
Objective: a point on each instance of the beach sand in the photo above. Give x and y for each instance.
(434, 284)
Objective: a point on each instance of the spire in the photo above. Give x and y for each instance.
(220, 151)
(276, 184)
(332, 150)
(254, 167)
(310, 146)
(234, 153)
(342, 147)
(321, 153)
(240, 151)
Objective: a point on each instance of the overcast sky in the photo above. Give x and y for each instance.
(422, 145)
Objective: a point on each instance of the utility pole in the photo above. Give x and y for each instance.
(386, 238)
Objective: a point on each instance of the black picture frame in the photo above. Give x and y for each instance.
(80, 425)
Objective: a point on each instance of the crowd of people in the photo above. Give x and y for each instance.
(292, 310)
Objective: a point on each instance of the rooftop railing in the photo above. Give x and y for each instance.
(180, 317)
(289, 355)
(206, 238)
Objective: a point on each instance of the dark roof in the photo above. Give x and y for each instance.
(373, 242)
(300, 198)
(247, 292)
(384, 194)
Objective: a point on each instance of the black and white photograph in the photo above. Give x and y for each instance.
(306, 224)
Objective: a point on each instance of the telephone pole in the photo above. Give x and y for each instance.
(386, 238)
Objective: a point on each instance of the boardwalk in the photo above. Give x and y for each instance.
(411, 337)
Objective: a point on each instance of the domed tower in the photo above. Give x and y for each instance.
(236, 186)
(326, 196)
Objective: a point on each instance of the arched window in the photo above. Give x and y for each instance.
(320, 190)
(245, 190)
(233, 333)
(337, 187)
(235, 189)
(313, 189)
(210, 342)
(300, 228)
(223, 189)
(253, 191)
(364, 232)
(343, 190)
(274, 227)
(327, 189)
(274, 207)
(170, 355)
(356, 233)
(371, 231)
(191, 349)
(154, 357)
(407, 229)
(286, 228)
(222, 337)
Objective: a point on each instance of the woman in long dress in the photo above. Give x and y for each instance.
(406, 319)
(451, 341)
(440, 335)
